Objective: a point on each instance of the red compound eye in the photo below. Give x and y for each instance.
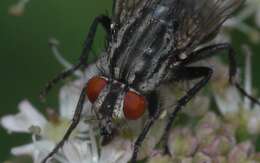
(94, 87)
(134, 105)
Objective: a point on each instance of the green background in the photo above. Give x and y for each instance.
(26, 62)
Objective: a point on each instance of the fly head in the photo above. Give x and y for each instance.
(113, 101)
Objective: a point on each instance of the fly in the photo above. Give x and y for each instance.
(150, 43)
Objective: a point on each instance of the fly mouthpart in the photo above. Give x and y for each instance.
(106, 127)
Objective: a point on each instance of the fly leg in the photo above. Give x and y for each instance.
(213, 50)
(105, 22)
(73, 125)
(186, 73)
(154, 111)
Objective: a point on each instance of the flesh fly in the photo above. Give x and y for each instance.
(149, 44)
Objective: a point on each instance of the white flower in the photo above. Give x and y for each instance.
(229, 101)
(253, 124)
(82, 147)
(22, 121)
(45, 133)
(118, 151)
(232, 106)
(78, 152)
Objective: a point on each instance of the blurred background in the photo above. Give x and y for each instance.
(27, 63)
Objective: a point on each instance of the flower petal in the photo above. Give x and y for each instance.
(69, 96)
(228, 102)
(71, 152)
(118, 151)
(35, 117)
(41, 149)
(22, 121)
(38, 150)
(254, 121)
(26, 149)
(241, 152)
(77, 151)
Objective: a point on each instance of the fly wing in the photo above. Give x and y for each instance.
(124, 9)
(198, 20)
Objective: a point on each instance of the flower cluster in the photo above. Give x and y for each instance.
(209, 140)
(204, 136)
(81, 147)
(226, 137)
(235, 109)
